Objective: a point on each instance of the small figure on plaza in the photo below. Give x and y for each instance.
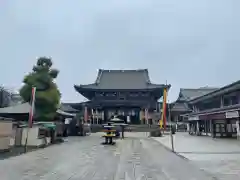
(109, 134)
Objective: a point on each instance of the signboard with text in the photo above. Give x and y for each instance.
(232, 114)
(193, 118)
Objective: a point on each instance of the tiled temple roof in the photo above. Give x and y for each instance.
(122, 79)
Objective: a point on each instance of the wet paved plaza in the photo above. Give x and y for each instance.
(83, 158)
(220, 157)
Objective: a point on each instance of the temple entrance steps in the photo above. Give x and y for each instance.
(129, 128)
(141, 128)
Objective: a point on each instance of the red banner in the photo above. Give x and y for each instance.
(32, 104)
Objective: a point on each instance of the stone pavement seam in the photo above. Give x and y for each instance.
(169, 149)
(178, 161)
(184, 158)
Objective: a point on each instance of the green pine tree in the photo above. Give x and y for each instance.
(47, 94)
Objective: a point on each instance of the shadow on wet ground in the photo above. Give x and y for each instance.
(15, 151)
(18, 150)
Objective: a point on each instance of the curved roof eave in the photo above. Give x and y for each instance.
(92, 87)
(219, 91)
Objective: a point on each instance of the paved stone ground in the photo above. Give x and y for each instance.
(220, 157)
(83, 158)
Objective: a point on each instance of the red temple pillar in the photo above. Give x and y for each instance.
(85, 114)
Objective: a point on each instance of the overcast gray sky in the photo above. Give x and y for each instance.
(189, 43)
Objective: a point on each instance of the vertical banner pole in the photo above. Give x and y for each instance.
(165, 108)
(163, 116)
(31, 112)
(30, 116)
(93, 117)
(170, 122)
(142, 116)
(85, 114)
(146, 115)
(97, 116)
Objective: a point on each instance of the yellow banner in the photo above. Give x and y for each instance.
(161, 123)
(163, 106)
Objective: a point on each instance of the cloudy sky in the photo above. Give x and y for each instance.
(189, 43)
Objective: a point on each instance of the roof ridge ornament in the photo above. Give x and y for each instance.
(100, 71)
(147, 76)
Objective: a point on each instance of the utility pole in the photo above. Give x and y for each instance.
(170, 122)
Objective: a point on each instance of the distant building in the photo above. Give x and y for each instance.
(66, 107)
(126, 93)
(5, 97)
(16, 99)
(9, 97)
(216, 113)
(182, 106)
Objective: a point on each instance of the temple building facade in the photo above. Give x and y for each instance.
(126, 93)
(216, 113)
(182, 106)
